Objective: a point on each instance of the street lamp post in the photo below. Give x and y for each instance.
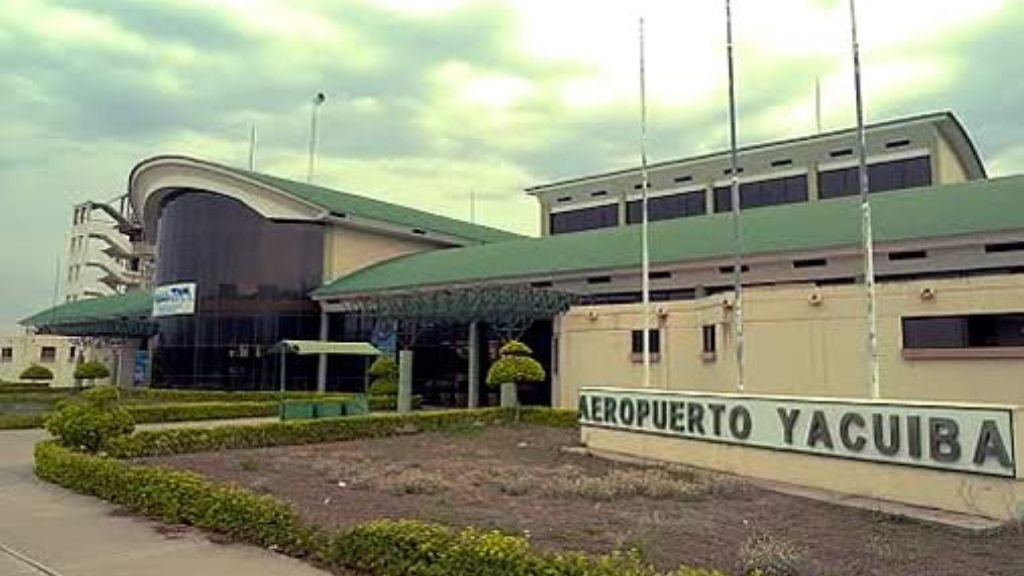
(314, 136)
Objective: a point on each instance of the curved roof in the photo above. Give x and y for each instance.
(118, 315)
(276, 197)
(949, 210)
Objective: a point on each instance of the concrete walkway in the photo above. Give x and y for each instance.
(45, 529)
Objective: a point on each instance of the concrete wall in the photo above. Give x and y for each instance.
(349, 249)
(800, 340)
(1000, 498)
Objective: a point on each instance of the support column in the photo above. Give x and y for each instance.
(321, 368)
(474, 365)
(405, 380)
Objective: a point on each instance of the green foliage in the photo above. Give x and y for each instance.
(91, 370)
(89, 422)
(515, 348)
(22, 387)
(766, 555)
(186, 411)
(553, 417)
(21, 421)
(384, 372)
(36, 372)
(162, 395)
(389, 402)
(515, 366)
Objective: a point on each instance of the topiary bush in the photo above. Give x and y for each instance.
(90, 421)
(515, 366)
(91, 370)
(384, 372)
(36, 373)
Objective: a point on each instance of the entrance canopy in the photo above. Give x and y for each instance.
(304, 347)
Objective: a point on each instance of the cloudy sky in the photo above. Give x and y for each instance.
(430, 99)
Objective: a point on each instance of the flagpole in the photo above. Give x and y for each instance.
(865, 206)
(645, 184)
(737, 261)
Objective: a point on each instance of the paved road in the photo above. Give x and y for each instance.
(67, 534)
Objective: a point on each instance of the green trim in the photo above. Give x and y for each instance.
(123, 314)
(938, 211)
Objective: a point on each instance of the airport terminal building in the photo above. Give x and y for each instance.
(267, 258)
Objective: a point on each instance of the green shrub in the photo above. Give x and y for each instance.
(515, 366)
(22, 421)
(389, 403)
(91, 370)
(384, 372)
(162, 395)
(229, 436)
(553, 417)
(35, 372)
(20, 387)
(89, 422)
(180, 412)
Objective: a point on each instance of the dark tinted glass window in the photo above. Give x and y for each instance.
(667, 207)
(973, 331)
(47, 354)
(882, 177)
(638, 342)
(764, 193)
(708, 338)
(585, 219)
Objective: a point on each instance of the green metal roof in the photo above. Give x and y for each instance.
(979, 206)
(346, 204)
(124, 309)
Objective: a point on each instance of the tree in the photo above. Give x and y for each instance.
(384, 372)
(91, 370)
(515, 366)
(37, 373)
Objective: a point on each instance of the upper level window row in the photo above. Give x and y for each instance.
(882, 176)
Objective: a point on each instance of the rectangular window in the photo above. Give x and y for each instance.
(967, 331)
(585, 219)
(638, 341)
(6, 355)
(810, 263)
(907, 255)
(708, 338)
(1004, 247)
(599, 280)
(47, 354)
(787, 190)
(667, 207)
(882, 177)
(71, 354)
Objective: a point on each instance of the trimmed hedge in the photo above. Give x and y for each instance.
(21, 421)
(231, 437)
(390, 403)
(20, 387)
(380, 548)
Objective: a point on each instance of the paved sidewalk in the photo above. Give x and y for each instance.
(72, 535)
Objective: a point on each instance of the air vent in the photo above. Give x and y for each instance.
(729, 269)
(640, 186)
(661, 275)
(681, 179)
(541, 284)
(841, 153)
(897, 143)
(780, 163)
(599, 193)
(728, 171)
(1004, 247)
(599, 280)
(810, 263)
(564, 199)
(907, 255)
(419, 231)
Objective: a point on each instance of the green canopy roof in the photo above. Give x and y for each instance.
(119, 315)
(345, 204)
(979, 206)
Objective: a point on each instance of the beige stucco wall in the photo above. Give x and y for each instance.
(948, 169)
(1001, 498)
(794, 347)
(27, 350)
(348, 249)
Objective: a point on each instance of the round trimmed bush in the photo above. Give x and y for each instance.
(37, 373)
(91, 370)
(90, 421)
(515, 366)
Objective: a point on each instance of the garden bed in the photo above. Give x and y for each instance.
(519, 479)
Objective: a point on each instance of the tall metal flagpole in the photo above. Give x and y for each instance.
(737, 260)
(314, 136)
(865, 208)
(645, 184)
(252, 147)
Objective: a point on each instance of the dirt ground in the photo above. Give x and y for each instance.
(519, 479)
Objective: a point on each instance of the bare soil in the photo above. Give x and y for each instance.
(519, 479)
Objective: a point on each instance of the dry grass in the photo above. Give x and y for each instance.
(766, 555)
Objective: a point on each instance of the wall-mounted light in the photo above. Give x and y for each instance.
(815, 299)
(592, 316)
(927, 293)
